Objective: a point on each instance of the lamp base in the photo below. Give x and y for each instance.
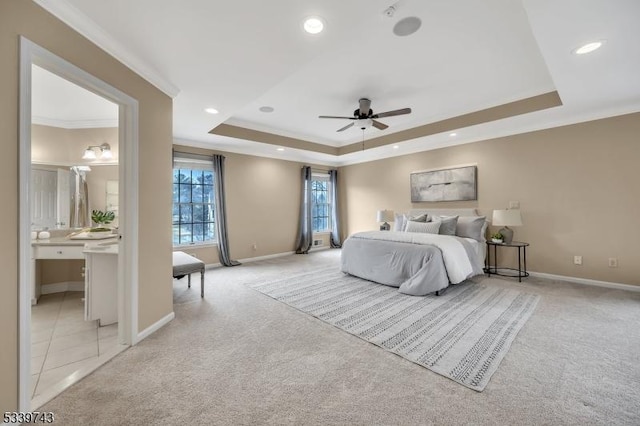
(507, 235)
(385, 227)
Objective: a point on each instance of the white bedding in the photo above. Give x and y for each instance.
(458, 262)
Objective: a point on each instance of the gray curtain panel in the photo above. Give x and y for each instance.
(221, 213)
(305, 233)
(334, 239)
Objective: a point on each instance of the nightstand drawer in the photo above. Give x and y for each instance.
(59, 252)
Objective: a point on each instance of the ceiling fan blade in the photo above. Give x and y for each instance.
(378, 125)
(335, 116)
(392, 113)
(365, 105)
(345, 127)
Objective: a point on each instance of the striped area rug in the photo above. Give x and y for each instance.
(463, 334)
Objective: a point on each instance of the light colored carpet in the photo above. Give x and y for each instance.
(237, 357)
(463, 334)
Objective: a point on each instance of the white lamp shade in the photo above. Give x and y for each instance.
(106, 154)
(507, 218)
(89, 154)
(385, 216)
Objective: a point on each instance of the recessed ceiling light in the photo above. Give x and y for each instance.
(280, 149)
(266, 109)
(588, 48)
(211, 110)
(452, 134)
(396, 146)
(313, 25)
(407, 26)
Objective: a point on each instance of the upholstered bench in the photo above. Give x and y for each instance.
(184, 264)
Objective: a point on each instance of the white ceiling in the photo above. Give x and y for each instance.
(59, 103)
(468, 55)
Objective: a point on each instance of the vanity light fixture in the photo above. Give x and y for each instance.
(211, 110)
(453, 134)
(105, 152)
(396, 146)
(279, 149)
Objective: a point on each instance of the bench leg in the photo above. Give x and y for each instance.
(189, 281)
(202, 282)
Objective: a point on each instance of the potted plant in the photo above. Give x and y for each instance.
(101, 220)
(496, 237)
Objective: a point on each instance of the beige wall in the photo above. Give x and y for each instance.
(54, 145)
(263, 205)
(21, 17)
(578, 188)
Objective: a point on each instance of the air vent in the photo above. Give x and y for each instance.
(317, 242)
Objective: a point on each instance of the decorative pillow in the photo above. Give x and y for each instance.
(420, 218)
(399, 222)
(448, 225)
(471, 227)
(424, 227)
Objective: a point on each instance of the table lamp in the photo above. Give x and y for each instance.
(506, 218)
(385, 216)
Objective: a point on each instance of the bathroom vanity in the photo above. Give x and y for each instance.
(100, 272)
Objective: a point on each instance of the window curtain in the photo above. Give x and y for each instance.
(221, 212)
(305, 233)
(334, 238)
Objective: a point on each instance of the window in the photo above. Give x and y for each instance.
(320, 203)
(193, 206)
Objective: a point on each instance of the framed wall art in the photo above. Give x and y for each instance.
(455, 184)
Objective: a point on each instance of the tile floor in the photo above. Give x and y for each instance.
(62, 342)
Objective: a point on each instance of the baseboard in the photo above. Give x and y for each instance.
(62, 287)
(586, 281)
(269, 256)
(154, 327)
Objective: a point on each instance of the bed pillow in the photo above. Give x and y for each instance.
(419, 218)
(448, 225)
(398, 222)
(471, 227)
(423, 227)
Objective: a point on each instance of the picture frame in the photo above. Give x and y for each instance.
(451, 184)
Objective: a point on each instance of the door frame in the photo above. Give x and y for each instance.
(31, 53)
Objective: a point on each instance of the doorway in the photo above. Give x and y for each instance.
(126, 242)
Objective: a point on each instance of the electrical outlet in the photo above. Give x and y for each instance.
(255, 246)
(613, 262)
(514, 204)
(577, 260)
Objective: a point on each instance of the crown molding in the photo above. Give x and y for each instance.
(81, 23)
(75, 124)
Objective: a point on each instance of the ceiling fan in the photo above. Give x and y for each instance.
(364, 117)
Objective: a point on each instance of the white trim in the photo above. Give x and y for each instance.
(154, 327)
(586, 281)
(24, 227)
(62, 287)
(269, 256)
(80, 22)
(31, 53)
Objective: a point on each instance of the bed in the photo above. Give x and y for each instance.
(420, 262)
